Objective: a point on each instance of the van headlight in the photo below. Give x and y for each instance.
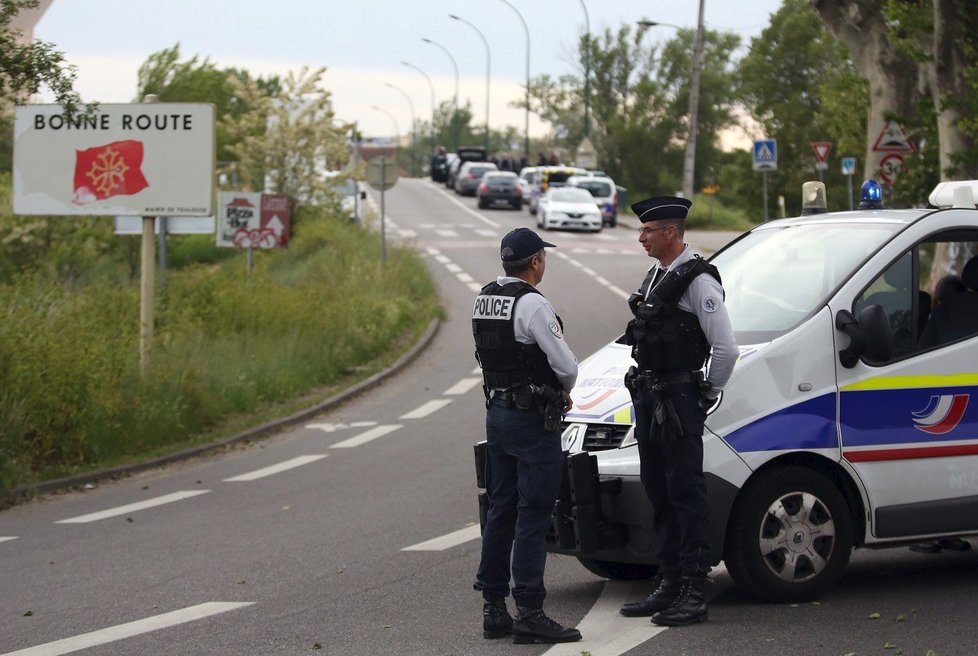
(569, 437)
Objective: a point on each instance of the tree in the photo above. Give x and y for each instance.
(284, 144)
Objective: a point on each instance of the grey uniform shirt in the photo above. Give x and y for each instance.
(535, 322)
(704, 298)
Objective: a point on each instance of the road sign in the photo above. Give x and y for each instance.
(152, 159)
(381, 173)
(253, 219)
(766, 155)
(175, 225)
(822, 149)
(891, 166)
(893, 139)
(848, 166)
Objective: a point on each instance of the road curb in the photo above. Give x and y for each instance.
(64, 484)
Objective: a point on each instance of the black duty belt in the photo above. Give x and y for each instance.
(654, 380)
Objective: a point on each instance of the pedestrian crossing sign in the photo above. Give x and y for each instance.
(766, 155)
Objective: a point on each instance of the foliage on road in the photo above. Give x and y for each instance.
(229, 343)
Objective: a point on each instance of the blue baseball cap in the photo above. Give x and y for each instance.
(520, 244)
(659, 208)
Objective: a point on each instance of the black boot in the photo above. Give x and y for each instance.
(689, 607)
(533, 626)
(496, 621)
(664, 592)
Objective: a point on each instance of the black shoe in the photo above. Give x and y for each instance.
(689, 607)
(664, 592)
(533, 626)
(496, 621)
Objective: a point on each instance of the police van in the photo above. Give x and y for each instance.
(848, 420)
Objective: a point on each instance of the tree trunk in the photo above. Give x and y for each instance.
(948, 82)
(894, 78)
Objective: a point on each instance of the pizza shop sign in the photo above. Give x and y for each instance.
(124, 160)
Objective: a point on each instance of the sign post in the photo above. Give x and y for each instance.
(382, 177)
(765, 159)
(821, 149)
(848, 170)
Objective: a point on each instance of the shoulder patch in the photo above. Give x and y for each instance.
(555, 329)
(710, 303)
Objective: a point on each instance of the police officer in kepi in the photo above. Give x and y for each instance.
(679, 322)
(528, 373)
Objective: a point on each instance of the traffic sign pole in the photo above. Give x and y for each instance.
(764, 182)
(383, 211)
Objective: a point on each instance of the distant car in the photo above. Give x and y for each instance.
(568, 207)
(527, 181)
(439, 167)
(351, 196)
(499, 187)
(470, 175)
(605, 195)
(464, 154)
(548, 176)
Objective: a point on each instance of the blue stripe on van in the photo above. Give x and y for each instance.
(806, 425)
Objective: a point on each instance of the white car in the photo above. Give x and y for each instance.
(568, 207)
(847, 421)
(605, 194)
(527, 182)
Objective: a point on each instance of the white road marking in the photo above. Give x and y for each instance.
(130, 629)
(471, 211)
(601, 280)
(407, 234)
(275, 469)
(485, 233)
(450, 540)
(447, 233)
(8, 538)
(369, 436)
(133, 507)
(454, 268)
(329, 428)
(605, 237)
(432, 251)
(474, 286)
(426, 409)
(477, 371)
(444, 259)
(464, 277)
(463, 386)
(606, 632)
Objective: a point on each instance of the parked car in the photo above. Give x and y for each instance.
(350, 193)
(551, 176)
(470, 175)
(464, 154)
(605, 194)
(846, 422)
(527, 182)
(568, 207)
(499, 187)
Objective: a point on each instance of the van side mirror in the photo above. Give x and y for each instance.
(870, 335)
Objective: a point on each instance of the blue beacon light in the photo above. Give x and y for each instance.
(871, 196)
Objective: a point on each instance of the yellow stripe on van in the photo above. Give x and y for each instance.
(913, 382)
(624, 415)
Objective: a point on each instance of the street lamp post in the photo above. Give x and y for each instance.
(431, 87)
(526, 30)
(397, 128)
(488, 67)
(689, 160)
(455, 97)
(587, 71)
(414, 131)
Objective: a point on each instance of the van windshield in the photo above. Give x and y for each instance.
(776, 278)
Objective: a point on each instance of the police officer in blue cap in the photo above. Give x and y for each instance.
(528, 372)
(679, 323)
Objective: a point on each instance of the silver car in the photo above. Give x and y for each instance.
(470, 175)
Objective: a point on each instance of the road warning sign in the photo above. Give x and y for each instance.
(822, 149)
(766, 155)
(893, 139)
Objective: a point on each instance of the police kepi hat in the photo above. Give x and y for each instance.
(659, 208)
(520, 244)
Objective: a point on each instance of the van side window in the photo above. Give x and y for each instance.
(930, 293)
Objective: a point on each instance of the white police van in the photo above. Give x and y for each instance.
(848, 421)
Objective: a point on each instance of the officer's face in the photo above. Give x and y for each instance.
(654, 236)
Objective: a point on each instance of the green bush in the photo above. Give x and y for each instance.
(227, 342)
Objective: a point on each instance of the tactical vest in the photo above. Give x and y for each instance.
(664, 338)
(505, 362)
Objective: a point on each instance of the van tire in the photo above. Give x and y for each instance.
(608, 569)
(753, 523)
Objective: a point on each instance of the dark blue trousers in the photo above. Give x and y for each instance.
(523, 474)
(672, 475)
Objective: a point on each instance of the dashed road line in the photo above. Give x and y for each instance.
(133, 507)
(454, 268)
(9, 538)
(463, 386)
(447, 233)
(486, 233)
(368, 436)
(330, 428)
(448, 541)
(275, 469)
(601, 280)
(426, 409)
(130, 629)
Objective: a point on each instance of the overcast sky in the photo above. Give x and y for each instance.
(362, 42)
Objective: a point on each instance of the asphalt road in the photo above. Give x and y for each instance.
(355, 534)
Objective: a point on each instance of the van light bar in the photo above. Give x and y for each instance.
(956, 193)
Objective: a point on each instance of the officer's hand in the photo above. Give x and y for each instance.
(568, 404)
(706, 402)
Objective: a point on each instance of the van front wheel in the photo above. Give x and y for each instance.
(790, 535)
